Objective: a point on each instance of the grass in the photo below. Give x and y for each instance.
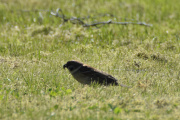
(33, 49)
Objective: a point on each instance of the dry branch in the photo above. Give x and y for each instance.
(76, 20)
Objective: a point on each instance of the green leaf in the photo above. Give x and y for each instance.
(68, 91)
(117, 110)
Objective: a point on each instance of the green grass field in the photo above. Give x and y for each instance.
(34, 45)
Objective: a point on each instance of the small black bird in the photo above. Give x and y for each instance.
(89, 75)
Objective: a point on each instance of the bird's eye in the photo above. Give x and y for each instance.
(71, 68)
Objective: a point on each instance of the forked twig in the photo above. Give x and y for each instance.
(76, 20)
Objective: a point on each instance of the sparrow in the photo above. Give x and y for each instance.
(88, 75)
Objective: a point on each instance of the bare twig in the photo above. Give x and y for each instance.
(76, 20)
(120, 23)
(61, 16)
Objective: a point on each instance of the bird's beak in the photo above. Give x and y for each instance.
(65, 66)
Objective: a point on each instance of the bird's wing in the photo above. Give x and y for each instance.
(98, 76)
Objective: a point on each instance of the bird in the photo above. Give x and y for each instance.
(88, 75)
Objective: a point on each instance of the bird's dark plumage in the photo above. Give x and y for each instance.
(99, 77)
(89, 75)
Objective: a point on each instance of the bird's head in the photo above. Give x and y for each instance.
(72, 66)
